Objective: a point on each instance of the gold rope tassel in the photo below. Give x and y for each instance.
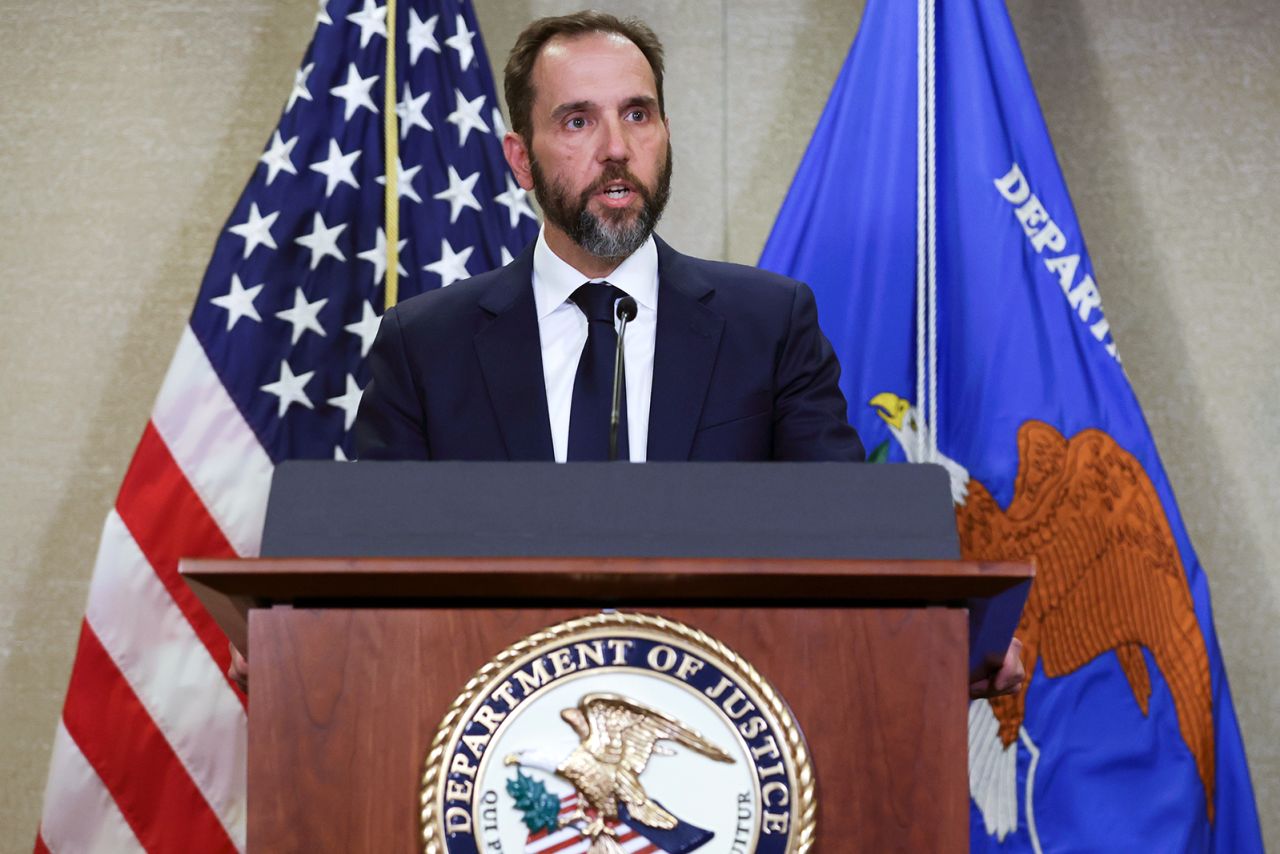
(391, 158)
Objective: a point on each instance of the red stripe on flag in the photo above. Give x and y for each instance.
(145, 778)
(40, 848)
(169, 521)
(560, 846)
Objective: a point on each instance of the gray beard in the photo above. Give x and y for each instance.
(604, 237)
(614, 241)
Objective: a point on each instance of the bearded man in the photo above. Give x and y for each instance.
(722, 362)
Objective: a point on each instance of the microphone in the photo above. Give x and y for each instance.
(626, 311)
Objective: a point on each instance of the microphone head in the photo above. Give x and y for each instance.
(627, 309)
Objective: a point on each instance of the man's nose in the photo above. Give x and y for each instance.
(614, 144)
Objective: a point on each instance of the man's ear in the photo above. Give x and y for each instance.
(517, 153)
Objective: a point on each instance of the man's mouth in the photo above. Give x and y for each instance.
(616, 193)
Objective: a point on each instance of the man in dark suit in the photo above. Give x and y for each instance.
(723, 362)
(726, 363)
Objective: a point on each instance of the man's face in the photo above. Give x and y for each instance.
(600, 156)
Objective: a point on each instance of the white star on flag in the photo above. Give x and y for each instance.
(355, 92)
(303, 316)
(339, 455)
(506, 256)
(377, 256)
(277, 157)
(300, 89)
(410, 110)
(422, 35)
(322, 16)
(372, 21)
(499, 126)
(461, 42)
(459, 195)
(452, 266)
(322, 240)
(404, 182)
(516, 201)
(289, 388)
(256, 230)
(366, 327)
(337, 168)
(238, 302)
(349, 401)
(467, 116)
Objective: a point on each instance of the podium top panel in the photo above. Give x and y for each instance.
(728, 510)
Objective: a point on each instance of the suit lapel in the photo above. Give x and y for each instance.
(510, 355)
(687, 339)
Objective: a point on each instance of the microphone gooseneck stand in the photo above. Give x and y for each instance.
(626, 311)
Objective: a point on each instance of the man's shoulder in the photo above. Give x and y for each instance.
(449, 304)
(742, 275)
(737, 281)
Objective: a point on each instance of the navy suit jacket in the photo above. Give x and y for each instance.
(741, 371)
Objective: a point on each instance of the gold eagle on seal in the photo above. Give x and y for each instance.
(617, 736)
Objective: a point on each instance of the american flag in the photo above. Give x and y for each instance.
(568, 840)
(149, 754)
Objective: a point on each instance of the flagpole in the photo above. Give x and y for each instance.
(391, 162)
(926, 236)
(921, 69)
(931, 176)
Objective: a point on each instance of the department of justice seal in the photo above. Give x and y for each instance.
(618, 733)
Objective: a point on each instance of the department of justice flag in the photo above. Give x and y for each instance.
(1124, 737)
(149, 754)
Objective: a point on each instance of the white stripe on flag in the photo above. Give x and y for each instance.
(79, 814)
(171, 672)
(214, 446)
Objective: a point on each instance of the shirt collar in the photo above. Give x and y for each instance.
(554, 280)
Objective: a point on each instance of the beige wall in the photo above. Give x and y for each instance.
(127, 131)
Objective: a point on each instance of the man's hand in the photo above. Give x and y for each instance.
(995, 682)
(238, 670)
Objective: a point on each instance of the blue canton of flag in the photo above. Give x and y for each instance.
(290, 303)
(1124, 737)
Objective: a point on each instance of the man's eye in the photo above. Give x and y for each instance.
(577, 122)
(637, 115)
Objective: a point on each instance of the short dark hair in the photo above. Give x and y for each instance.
(518, 77)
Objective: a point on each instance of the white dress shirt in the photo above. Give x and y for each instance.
(562, 328)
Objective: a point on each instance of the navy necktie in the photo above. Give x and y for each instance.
(593, 384)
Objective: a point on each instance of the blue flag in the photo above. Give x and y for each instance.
(1124, 738)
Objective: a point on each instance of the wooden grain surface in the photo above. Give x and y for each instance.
(344, 704)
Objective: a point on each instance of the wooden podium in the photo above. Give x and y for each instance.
(355, 662)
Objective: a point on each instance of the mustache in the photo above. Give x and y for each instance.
(614, 172)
